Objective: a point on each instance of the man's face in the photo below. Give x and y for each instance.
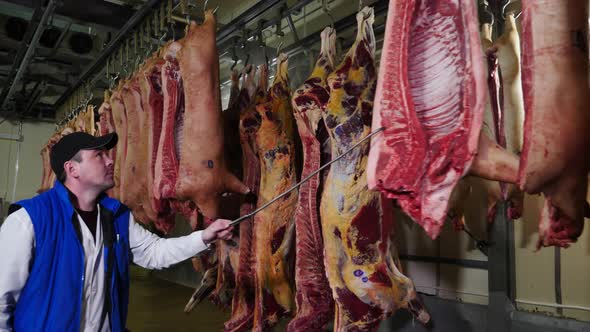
(95, 170)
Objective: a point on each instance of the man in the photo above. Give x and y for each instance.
(65, 254)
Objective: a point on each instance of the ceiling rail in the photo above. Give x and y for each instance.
(133, 22)
(28, 54)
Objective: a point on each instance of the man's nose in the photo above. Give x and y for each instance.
(109, 160)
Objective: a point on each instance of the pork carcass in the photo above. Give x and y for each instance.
(203, 176)
(120, 122)
(166, 167)
(150, 83)
(315, 306)
(503, 117)
(509, 57)
(89, 123)
(105, 116)
(557, 120)
(273, 231)
(105, 126)
(167, 156)
(430, 100)
(44, 163)
(48, 175)
(242, 316)
(134, 172)
(357, 224)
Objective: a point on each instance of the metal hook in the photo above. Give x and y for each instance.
(173, 33)
(161, 39)
(234, 57)
(113, 79)
(487, 16)
(508, 3)
(279, 48)
(327, 12)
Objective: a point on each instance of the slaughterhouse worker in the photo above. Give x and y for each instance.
(65, 254)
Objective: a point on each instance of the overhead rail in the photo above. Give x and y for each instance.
(10, 85)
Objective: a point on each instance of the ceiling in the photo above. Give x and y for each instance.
(77, 37)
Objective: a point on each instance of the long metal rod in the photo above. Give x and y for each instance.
(110, 48)
(379, 7)
(223, 35)
(249, 15)
(297, 185)
(470, 263)
(17, 162)
(10, 137)
(30, 51)
(34, 97)
(37, 14)
(63, 34)
(554, 305)
(557, 267)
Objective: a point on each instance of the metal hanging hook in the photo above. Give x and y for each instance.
(280, 47)
(509, 3)
(205, 7)
(486, 14)
(234, 57)
(326, 11)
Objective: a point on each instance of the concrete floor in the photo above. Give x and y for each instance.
(157, 305)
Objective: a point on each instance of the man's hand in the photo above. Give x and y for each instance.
(219, 229)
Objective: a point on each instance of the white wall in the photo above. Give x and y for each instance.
(535, 270)
(30, 167)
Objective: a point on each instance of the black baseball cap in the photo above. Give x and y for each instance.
(67, 147)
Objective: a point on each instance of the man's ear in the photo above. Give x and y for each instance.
(71, 169)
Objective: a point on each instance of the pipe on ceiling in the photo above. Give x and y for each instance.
(133, 22)
(30, 50)
(223, 35)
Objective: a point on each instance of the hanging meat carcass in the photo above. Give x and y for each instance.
(48, 175)
(315, 306)
(228, 251)
(150, 82)
(231, 124)
(273, 231)
(120, 122)
(509, 57)
(134, 171)
(430, 100)
(89, 123)
(105, 116)
(357, 224)
(242, 316)
(503, 115)
(106, 126)
(166, 167)
(203, 176)
(167, 156)
(557, 121)
(45, 163)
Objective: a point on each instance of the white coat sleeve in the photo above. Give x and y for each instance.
(17, 242)
(153, 252)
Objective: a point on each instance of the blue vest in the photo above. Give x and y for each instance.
(51, 299)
